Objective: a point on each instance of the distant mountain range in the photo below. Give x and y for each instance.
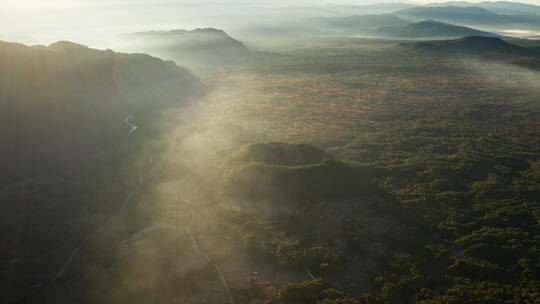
(357, 23)
(449, 13)
(499, 7)
(281, 28)
(429, 29)
(388, 25)
(336, 10)
(470, 15)
(202, 50)
(64, 104)
(473, 45)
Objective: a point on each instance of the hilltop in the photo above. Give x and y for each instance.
(202, 50)
(281, 170)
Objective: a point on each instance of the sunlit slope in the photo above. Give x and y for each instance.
(203, 50)
(64, 103)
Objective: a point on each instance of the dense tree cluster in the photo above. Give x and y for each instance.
(457, 147)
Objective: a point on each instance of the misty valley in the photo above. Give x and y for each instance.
(383, 153)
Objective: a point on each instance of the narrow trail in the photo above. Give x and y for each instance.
(83, 242)
(130, 196)
(195, 220)
(68, 262)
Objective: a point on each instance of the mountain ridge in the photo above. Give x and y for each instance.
(431, 28)
(82, 96)
(203, 50)
(470, 45)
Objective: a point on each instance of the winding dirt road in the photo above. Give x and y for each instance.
(195, 221)
(83, 242)
(133, 127)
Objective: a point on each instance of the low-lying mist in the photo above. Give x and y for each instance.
(147, 253)
(514, 75)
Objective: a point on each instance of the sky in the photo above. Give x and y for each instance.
(46, 21)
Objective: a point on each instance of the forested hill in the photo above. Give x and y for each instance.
(472, 45)
(62, 104)
(202, 50)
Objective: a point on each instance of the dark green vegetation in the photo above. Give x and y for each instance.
(453, 142)
(430, 29)
(202, 50)
(277, 170)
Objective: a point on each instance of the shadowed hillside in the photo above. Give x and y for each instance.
(63, 104)
(65, 126)
(472, 45)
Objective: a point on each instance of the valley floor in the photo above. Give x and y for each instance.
(448, 151)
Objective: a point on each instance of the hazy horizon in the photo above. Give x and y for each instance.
(95, 23)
